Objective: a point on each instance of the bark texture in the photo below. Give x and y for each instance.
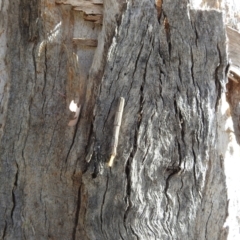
(167, 181)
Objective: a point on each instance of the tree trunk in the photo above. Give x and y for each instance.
(167, 180)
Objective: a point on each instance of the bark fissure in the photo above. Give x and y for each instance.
(134, 71)
(45, 216)
(73, 139)
(45, 71)
(15, 184)
(120, 234)
(196, 32)
(134, 233)
(179, 204)
(43, 104)
(34, 50)
(102, 206)
(179, 70)
(192, 67)
(135, 143)
(4, 230)
(158, 4)
(180, 144)
(77, 213)
(168, 34)
(107, 115)
(136, 63)
(89, 146)
(194, 166)
(218, 83)
(167, 221)
(146, 154)
(167, 212)
(206, 227)
(52, 137)
(127, 197)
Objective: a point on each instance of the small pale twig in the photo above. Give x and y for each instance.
(116, 129)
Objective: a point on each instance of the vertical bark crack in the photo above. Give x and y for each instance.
(45, 70)
(107, 115)
(132, 154)
(120, 234)
(217, 80)
(194, 166)
(13, 192)
(134, 233)
(45, 215)
(77, 213)
(181, 126)
(4, 231)
(158, 4)
(168, 34)
(73, 139)
(206, 228)
(128, 191)
(103, 202)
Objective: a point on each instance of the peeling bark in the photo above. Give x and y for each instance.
(167, 181)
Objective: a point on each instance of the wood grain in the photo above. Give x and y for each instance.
(233, 46)
(85, 42)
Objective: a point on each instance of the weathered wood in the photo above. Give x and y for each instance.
(85, 42)
(88, 7)
(77, 2)
(94, 18)
(233, 54)
(167, 181)
(41, 158)
(234, 73)
(164, 182)
(100, 2)
(233, 46)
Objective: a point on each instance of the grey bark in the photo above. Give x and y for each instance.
(167, 181)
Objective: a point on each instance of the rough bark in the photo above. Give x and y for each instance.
(167, 181)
